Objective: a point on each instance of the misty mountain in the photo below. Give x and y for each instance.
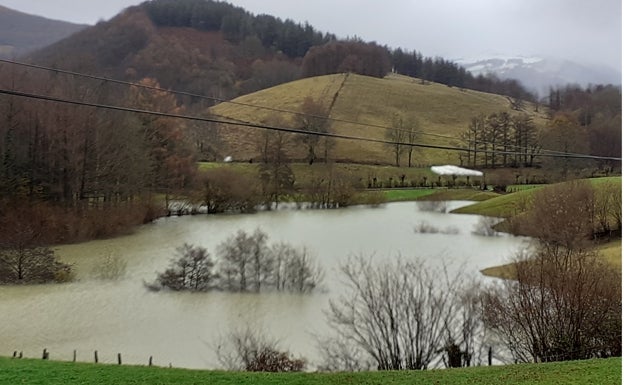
(538, 73)
(21, 33)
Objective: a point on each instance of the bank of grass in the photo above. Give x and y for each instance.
(438, 194)
(508, 205)
(460, 194)
(611, 252)
(31, 372)
(501, 206)
(400, 195)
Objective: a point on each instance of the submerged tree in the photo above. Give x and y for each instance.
(24, 256)
(192, 270)
(294, 269)
(249, 263)
(245, 263)
(31, 265)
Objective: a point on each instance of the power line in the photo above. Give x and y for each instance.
(272, 128)
(249, 105)
(210, 120)
(220, 100)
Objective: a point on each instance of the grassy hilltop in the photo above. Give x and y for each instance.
(439, 109)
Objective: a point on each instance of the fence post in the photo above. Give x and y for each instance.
(150, 361)
(490, 356)
(119, 358)
(95, 355)
(74, 360)
(45, 355)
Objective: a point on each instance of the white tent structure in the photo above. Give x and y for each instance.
(455, 171)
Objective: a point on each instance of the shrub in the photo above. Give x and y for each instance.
(250, 350)
(269, 360)
(223, 189)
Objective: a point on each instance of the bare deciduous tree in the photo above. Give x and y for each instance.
(399, 314)
(413, 136)
(249, 263)
(562, 215)
(276, 176)
(313, 121)
(397, 136)
(235, 258)
(562, 305)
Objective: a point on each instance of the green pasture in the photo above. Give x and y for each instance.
(35, 372)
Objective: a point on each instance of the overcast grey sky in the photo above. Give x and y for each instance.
(581, 30)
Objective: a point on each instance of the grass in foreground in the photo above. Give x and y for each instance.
(598, 371)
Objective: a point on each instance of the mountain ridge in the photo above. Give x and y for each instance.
(539, 73)
(22, 33)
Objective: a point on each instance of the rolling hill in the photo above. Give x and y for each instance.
(21, 33)
(442, 112)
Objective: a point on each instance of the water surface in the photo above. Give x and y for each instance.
(182, 329)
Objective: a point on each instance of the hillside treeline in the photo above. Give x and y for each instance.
(581, 121)
(439, 70)
(594, 110)
(76, 172)
(236, 24)
(216, 49)
(323, 54)
(85, 172)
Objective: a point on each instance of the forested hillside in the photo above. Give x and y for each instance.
(216, 49)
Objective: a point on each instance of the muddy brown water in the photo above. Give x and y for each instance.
(182, 329)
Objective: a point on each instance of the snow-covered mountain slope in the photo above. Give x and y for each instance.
(539, 73)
